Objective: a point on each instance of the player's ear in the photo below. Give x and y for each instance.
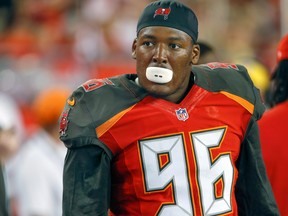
(134, 48)
(195, 54)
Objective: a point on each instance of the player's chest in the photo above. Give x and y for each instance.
(206, 119)
(188, 150)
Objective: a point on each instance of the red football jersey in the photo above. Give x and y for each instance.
(176, 158)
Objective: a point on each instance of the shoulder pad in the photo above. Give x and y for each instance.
(231, 78)
(93, 103)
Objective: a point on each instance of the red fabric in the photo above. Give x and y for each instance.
(282, 49)
(273, 131)
(131, 182)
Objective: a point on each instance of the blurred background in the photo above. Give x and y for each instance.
(47, 43)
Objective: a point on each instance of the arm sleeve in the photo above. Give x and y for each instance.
(253, 190)
(87, 182)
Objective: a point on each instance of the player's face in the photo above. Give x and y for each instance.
(168, 48)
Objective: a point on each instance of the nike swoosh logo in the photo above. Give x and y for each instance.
(71, 102)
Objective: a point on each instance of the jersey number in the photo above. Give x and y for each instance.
(159, 175)
(93, 84)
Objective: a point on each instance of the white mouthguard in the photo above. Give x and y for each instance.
(159, 75)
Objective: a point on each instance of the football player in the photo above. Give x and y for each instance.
(174, 139)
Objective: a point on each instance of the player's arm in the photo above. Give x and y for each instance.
(86, 178)
(253, 191)
(86, 182)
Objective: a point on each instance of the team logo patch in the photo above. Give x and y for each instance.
(162, 12)
(182, 114)
(64, 122)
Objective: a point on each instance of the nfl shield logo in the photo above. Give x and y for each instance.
(182, 114)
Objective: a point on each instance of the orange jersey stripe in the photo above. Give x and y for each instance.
(110, 122)
(246, 104)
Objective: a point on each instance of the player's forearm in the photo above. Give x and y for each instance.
(86, 182)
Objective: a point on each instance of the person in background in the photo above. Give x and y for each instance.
(174, 139)
(273, 129)
(38, 180)
(10, 140)
(207, 53)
